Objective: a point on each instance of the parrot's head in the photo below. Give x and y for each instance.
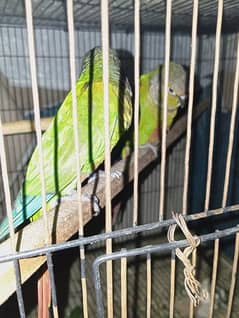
(93, 64)
(176, 86)
(92, 71)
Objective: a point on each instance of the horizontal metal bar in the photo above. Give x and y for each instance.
(164, 247)
(115, 234)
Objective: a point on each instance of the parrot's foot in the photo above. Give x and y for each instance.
(85, 197)
(101, 174)
(116, 174)
(93, 199)
(152, 147)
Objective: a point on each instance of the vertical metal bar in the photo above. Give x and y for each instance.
(233, 278)
(165, 104)
(84, 282)
(214, 103)
(194, 261)
(214, 277)
(70, 19)
(136, 105)
(190, 104)
(98, 290)
(124, 287)
(35, 93)
(149, 285)
(52, 285)
(172, 285)
(108, 214)
(10, 221)
(32, 60)
(232, 129)
(20, 301)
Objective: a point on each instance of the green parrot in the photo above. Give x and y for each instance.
(151, 100)
(59, 151)
(151, 111)
(58, 140)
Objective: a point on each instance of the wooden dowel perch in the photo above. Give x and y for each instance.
(24, 126)
(65, 224)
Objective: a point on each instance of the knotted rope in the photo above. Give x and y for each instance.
(192, 285)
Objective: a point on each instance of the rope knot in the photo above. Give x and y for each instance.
(192, 285)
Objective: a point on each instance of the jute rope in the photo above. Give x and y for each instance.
(192, 285)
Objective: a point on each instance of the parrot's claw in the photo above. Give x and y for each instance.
(85, 197)
(101, 174)
(152, 147)
(95, 176)
(116, 174)
(94, 200)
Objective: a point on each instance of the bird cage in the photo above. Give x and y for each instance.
(106, 243)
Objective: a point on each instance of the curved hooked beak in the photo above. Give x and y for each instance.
(182, 100)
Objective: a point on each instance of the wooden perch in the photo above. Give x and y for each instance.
(24, 126)
(65, 224)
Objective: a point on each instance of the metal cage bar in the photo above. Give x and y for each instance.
(233, 278)
(165, 103)
(108, 218)
(70, 15)
(32, 55)
(35, 94)
(136, 107)
(190, 104)
(115, 234)
(172, 284)
(214, 277)
(149, 285)
(124, 287)
(214, 103)
(232, 129)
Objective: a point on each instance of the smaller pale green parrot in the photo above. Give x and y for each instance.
(151, 101)
(151, 109)
(151, 105)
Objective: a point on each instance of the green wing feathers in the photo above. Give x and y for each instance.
(58, 141)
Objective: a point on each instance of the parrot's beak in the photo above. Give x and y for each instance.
(182, 100)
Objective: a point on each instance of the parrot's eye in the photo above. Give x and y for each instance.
(171, 91)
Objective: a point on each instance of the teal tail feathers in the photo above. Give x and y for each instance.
(25, 208)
